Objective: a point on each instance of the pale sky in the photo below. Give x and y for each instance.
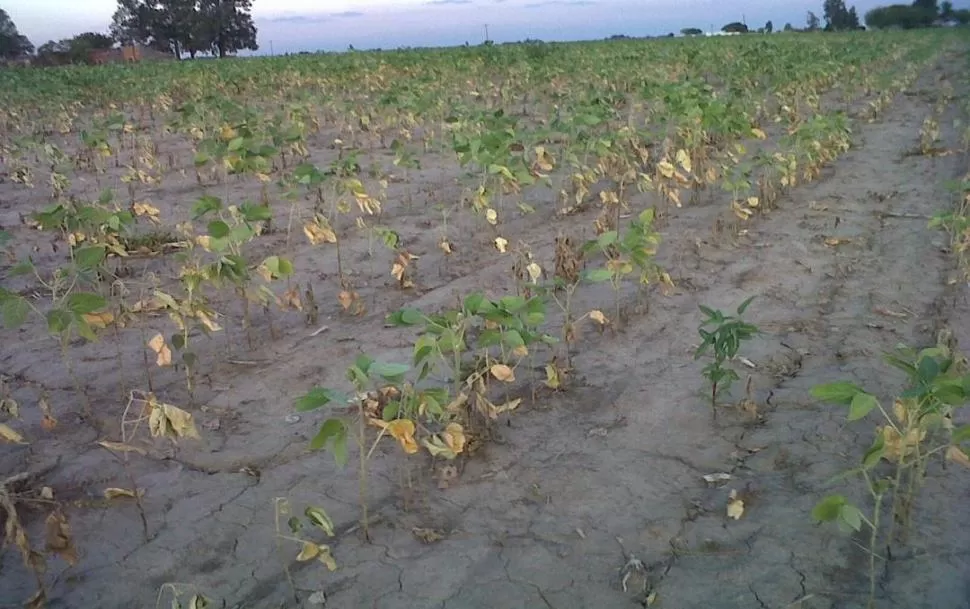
(298, 25)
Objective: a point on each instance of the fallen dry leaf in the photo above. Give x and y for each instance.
(427, 535)
(59, 537)
(887, 313)
(597, 316)
(501, 244)
(8, 434)
(735, 506)
(121, 447)
(117, 493)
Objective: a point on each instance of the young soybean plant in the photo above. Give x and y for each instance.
(723, 342)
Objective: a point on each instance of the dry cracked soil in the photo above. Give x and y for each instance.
(547, 513)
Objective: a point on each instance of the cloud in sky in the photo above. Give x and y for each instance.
(297, 25)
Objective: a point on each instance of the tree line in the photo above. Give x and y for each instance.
(840, 18)
(921, 13)
(176, 27)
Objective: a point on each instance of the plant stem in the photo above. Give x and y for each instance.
(362, 471)
(873, 538)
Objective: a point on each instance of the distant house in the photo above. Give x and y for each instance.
(128, 54)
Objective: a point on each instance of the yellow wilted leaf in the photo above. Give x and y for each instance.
(446, 246)
(207, 321)
(509, 406)
(146, 209)
(666, 169)
(741, 212)
(552, 377)
(166, 420)
(346, 299)
(326, 557)
(204, 241)
(543, 160)
(683, 159)
(501, 244)
(309, 552)
(597, 316)
(8, 434)
(735, 506)
(491, 216)
(318, 231)
(758, 133)
(674, 196)
(98, 320)
(535, 272)
(438, 448)
(753, 201)
(116, 493)
(503, 373)
(454, 437)
(955, 454)
(896, 446)
(402, 430)
(163, 353)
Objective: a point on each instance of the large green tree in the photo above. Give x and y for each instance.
(227, 26)
(921, 13)
(220, 27)
(838, 17)
(13, 44)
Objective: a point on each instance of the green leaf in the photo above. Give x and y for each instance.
(711, 313)
(204, 205)
(391, 409)
(364, 362)
(851, 516)
(256, 213)
(928, 369)
(405, 317)
(218, 229)
(829, 508)
(84, 329)
(599, 275)
(14, 310)
(317, 398)
(607, 239)
(319, 518)
(388, 371)
(513, 339)
(744, 305)
(840, 392)
(85, 302)
(5, 238)
(58, 321)
(89, 257)
(875, 452)
(235, 144)
(862, 403)
(333, 432)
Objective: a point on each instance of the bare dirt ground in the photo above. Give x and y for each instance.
(534, 517)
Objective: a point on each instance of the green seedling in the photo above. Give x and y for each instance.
(722, 341)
